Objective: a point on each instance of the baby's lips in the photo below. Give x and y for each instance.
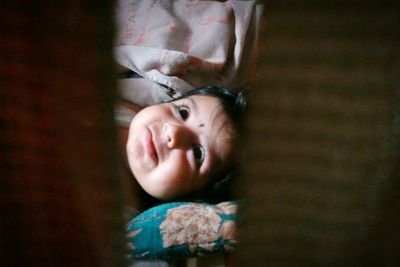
(150, 146)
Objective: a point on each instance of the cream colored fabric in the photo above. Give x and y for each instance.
(179, 45)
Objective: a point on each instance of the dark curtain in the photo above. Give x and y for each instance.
(321, 164)
(60, 188)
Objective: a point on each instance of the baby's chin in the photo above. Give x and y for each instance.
(160, 195)
(132, 125)
(156, 191)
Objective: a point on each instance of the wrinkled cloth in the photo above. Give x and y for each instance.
(179, 45)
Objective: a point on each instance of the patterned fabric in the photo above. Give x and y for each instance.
(182, 229)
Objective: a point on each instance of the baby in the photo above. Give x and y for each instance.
(186, 147)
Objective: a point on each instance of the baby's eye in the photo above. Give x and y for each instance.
(183, 112)
(199, 154)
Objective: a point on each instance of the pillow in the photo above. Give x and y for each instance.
(182, 229)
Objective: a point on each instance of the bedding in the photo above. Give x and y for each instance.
(185, 44)
(181, 230)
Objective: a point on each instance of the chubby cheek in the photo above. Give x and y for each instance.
(177, 170)
(135, 156)
(174, 176)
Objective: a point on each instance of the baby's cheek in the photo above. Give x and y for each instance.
(177, 172)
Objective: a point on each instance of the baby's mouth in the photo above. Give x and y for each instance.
(150, 146)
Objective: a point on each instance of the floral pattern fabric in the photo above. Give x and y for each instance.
(182, 229)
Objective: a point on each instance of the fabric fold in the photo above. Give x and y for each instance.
(184, 44)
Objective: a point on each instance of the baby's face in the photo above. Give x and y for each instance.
(175, 148)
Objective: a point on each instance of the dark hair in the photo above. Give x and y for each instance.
(234, 105)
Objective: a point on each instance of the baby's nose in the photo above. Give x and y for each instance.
(177, 135)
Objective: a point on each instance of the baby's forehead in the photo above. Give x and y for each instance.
(226, 136)
(223, 143)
